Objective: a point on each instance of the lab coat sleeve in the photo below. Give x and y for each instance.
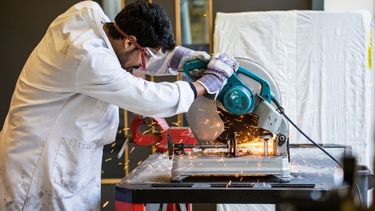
(100, 76)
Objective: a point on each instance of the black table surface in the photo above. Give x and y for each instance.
(313, 174)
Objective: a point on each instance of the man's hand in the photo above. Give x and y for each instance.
(183, 55)
(201, 55)
(211, 80)
(219, 69)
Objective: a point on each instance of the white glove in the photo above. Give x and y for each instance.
(219, 69)
(183, 55)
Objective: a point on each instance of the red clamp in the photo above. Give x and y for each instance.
(145, 138)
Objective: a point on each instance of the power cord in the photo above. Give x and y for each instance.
(280, 109)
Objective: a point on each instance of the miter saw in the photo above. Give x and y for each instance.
(241, 133)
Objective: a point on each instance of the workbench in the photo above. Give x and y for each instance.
(313, 174)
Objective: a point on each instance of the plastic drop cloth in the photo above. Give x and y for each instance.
(321, 63)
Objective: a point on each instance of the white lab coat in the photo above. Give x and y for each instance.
(65, 108)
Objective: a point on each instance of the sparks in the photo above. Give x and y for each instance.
(176, 123)
(228, 184)
(147, 131)
(105, 204)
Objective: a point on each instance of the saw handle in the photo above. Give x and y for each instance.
(193, 65)
(265, 91)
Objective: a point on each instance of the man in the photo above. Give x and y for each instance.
(65, 104)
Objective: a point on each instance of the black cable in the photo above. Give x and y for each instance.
(280, 109)
(359, 195)
(317, 145)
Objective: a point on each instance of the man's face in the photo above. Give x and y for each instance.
(131, 57)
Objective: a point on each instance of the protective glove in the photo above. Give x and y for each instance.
(219, 69)
(183, 55)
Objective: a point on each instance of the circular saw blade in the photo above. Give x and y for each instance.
(244, 127)
(204, 120)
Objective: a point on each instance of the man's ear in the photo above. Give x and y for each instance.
(126, 42)
(129, 40)
(132, 39)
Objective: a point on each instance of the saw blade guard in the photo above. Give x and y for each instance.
(258, 79)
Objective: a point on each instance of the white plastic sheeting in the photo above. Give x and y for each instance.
(321, 63)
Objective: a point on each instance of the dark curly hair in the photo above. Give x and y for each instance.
(148, 22)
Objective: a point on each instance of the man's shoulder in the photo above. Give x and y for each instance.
(78, 30)
(89, 9)
(84, 10)
(87, 4)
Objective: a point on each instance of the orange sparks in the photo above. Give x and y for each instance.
(147, 131)
(105, 204)
(176, 123)
(228, 184)
(250, 144)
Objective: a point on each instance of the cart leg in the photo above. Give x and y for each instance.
(189, 207)
(171, 207)
(177, 207)
(125, 206)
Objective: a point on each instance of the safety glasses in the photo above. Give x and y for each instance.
(153, 54)
(148, 53)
